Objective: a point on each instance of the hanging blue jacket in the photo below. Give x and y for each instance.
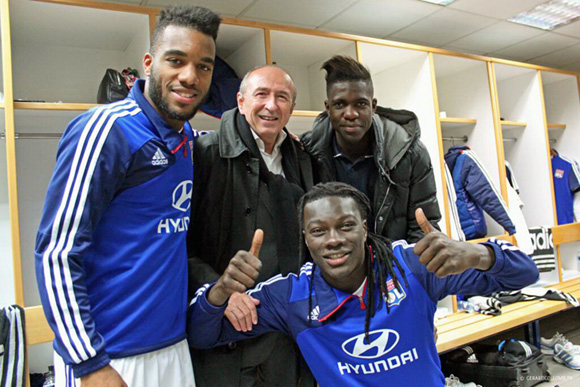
(475, 193)
(401, 351)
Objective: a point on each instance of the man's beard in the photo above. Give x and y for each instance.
(156, 95)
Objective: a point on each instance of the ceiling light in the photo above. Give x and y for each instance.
(550, 15)
(439, 2)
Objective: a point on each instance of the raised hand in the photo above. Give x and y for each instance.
(444, 256)
(241, 273)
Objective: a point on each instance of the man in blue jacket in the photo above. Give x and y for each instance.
(362, 313)
(111, 257)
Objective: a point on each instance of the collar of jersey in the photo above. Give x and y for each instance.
(170, 136)
(330, 299)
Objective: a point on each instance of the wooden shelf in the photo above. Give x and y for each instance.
(566, 233)
(305, 113)
(53, 106)
(1, 105)
(454, 122)
(512, 124)
(555, 126)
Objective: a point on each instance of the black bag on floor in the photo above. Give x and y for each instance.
(514, 363)
(112, 87)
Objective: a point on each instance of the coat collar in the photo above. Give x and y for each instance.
(397, 128)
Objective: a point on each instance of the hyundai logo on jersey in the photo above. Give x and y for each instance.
(182, 195)
(181, 200)
(382, 341)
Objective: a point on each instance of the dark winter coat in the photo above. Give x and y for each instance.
(405, 178)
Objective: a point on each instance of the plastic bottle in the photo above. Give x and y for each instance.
(49, 378)
(466, 306)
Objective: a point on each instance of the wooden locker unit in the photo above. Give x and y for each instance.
(561, 99)
(60, 50)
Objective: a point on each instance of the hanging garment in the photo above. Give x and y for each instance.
(566, 173)
(475, 193)
(511, 177)
(454, 222)
(516, 214)
(12, 346)
(222, 90)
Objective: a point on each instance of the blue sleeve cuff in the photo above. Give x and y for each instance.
(209, 308)
(91, 365)
(499, 258)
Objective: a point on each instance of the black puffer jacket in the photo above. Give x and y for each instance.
(405, 178)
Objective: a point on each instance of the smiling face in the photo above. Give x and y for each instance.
(179, 73)
(267, 102)
(335, 234)
(350, 107)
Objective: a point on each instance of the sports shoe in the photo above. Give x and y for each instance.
(567, 354)
(548, 345)
(453, 381)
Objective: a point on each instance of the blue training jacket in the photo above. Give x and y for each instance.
(401, 351)
(111, 258)
(475, 193)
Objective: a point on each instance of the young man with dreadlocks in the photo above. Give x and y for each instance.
(362, 312)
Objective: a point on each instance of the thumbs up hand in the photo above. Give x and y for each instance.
(444, 256)
(241, 273)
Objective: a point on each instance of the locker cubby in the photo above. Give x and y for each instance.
(562, 100)
(302, 55)
(464, 95)
(38, 134)
(60, 53)
(524, 136)
(242, 48)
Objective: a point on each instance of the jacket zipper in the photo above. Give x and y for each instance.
(390, 182)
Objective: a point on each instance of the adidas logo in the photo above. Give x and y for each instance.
(159, 158)
(315, 313)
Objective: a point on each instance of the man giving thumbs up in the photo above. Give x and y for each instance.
(362, 311)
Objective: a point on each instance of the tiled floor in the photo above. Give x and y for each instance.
(567, 323)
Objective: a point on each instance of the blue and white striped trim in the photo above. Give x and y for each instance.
(304, 270)
(504, 245)
(69, 324)
(199, 293)
(456, 223)
(476, 160)
(403, 243)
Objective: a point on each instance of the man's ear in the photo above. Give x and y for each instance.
(365, 227)
(147, 63)
(326, 105)
(240, 99)
(374, 105)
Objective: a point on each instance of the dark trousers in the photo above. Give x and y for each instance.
(270, 360)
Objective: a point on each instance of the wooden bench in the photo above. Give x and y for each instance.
(462, 328)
